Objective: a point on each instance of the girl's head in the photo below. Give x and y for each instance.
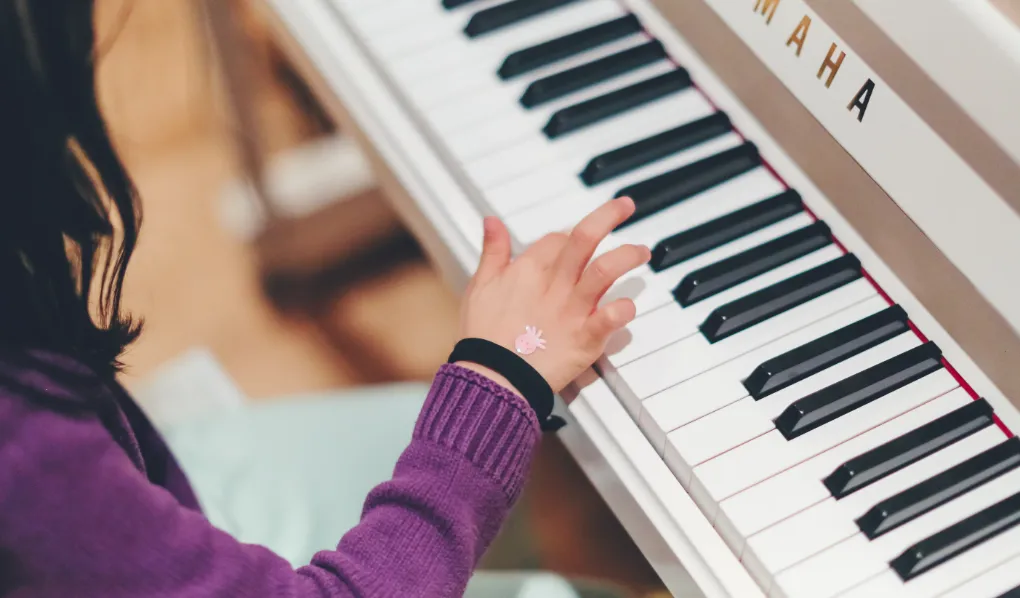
(69, 214)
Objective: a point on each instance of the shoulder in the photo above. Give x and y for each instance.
(46, 379)
(47, 415)
(41, 395)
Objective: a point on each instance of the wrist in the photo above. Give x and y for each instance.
(490, 374)
(507, 369)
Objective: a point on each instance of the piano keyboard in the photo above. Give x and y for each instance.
(832, 446)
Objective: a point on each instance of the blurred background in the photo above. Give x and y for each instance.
(254, 314)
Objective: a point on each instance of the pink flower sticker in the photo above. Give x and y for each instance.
(531, 340)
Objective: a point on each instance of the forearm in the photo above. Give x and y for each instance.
(427, 527)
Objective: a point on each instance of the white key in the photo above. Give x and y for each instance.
(416, 33)
(703, 377)
(562, 177)
(750, 187)
(815, 529)
(989, 583)
(390, 40)
(493, 122)
(353, 5)
(672, 323)
(740, 422)
(391, 13)
(349, 7)
(569, 154)
(797, 584)
(797, 488)
(860, 559)
(658, 377)
(742, 191)
(508, 199)
(482, 56)
(493, 118)
(883, 585)
(766, 456)
(495, 114)
(830, 521)
(658, 286)
(968, 575)
(651, 290)
(459, 86)
(377, 19)
(600, 407)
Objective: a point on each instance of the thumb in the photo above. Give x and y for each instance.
(495, 249)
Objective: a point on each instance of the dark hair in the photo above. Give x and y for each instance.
(69, 213)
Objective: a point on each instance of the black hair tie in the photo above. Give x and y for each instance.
(517, 371)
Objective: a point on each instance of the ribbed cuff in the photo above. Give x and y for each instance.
(491, 426)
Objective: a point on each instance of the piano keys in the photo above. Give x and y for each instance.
(828, 442)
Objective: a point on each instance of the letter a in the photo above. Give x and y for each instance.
(799, 35)
(861, 100)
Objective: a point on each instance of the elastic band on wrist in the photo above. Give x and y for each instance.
(525, 378)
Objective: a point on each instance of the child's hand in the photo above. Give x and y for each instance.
(552, 287)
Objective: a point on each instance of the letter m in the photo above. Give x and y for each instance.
(766, 8)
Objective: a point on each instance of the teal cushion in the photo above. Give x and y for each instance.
(292, 474)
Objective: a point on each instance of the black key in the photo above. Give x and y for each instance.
(757, 307)
(560, 84)
(508, 13)
(913, 446)
(958, 538)
(627, 158)
(824, 352)
(940, 489)
(1014, 593)
(678, 185)
(580, 115)
(828, 404)
(450, 4)
(726, 229)
(546, 53)
(728, 273)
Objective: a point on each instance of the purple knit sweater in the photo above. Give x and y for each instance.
(92, 504)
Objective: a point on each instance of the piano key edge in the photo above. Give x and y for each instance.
(634, 480)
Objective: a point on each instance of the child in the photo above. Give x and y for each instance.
(92, 502)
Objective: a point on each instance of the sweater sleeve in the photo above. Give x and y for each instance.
(78, 518)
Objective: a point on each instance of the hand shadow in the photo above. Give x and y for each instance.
(630, 287)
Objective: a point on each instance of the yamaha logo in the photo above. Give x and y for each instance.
(829, 66)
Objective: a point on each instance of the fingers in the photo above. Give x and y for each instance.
(544, 252)
(587, 235)
(606, 270)
(495, 249)
(608, 319)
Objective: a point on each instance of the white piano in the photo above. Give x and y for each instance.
(815, 398)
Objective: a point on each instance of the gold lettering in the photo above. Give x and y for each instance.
(862, 99)
(766, 6)
(829, 64)
(799, 35)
